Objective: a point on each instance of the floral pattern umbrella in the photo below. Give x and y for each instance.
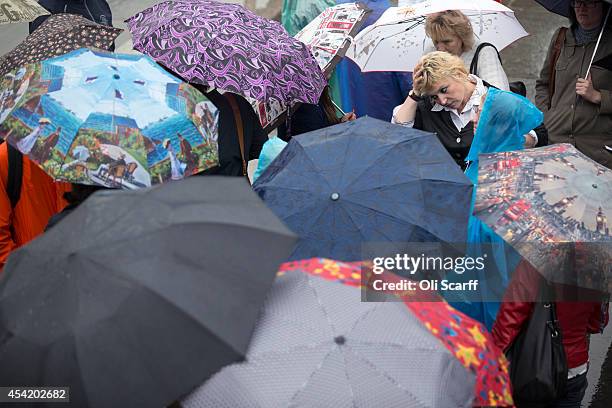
(20, 11)
(227, 47)
(115, 120)
(58, 35)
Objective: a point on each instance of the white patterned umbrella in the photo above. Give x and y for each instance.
(331, 32)
(397, 40)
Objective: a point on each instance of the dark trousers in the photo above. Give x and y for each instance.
(94, 10)
(576, 387)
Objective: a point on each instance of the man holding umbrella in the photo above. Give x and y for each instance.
(576, 98)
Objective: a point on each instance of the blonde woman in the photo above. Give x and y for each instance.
(445, 100)
(451, 31)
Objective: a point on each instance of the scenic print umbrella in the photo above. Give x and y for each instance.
(397, 39)
(58, 35)
(543, 200)
(366, 181)
(137, 297)
(228, 47)
(115, 120)
(330, 33)
(317, 344)
(20, 11)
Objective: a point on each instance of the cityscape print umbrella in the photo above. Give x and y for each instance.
(58, 35)
(552, 204)
(20, 11)
(317, 344)
(228, 47)
(115, 120)
(397, 40)
(329, 35)
(137, 297)
(366, 181)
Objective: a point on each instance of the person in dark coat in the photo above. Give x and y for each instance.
(74, 198)
(309, 117)
(230, 158)
(97, 11)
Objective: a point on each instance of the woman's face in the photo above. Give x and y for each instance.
(588, 13)
(450, 43)
(450, 93)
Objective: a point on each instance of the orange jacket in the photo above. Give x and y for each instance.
(40, 198)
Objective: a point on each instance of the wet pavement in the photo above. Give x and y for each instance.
(522, 61)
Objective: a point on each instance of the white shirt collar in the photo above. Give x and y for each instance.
(460, 120)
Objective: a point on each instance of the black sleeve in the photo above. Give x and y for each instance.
(418, 118)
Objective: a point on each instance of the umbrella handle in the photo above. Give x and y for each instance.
(603, 27)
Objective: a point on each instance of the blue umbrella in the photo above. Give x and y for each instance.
(560, 7)
(366, 181)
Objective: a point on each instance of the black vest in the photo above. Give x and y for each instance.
(442, 125)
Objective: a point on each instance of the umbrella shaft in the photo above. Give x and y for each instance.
(603, 27)
(337, 107)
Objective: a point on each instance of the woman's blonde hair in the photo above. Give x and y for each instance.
(435, 67)
(438, 25)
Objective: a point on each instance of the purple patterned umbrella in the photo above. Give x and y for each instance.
(227, 47)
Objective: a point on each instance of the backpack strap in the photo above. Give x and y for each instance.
(15, 174)
(553, 62)
(474, 64)
(239, 130)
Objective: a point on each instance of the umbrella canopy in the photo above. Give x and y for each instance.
(397, 40)
(560, 7)
(137, 297)
(20, 11)
(227, 47)
(366, 181)
(58, 35)
(317, 345)
(116, 120)
(329, 35)
(543, 200)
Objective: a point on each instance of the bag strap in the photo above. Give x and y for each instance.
(239, 130)
(548, 295)
(553, 62)
(15, 175)
(474, 64)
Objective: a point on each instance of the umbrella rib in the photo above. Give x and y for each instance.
(387, 376)
(93, 247)
(162, 297)
(442, 213)
(314, 371)
(408, 223)
(373, 162)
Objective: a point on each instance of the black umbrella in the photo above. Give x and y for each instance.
(137, 297)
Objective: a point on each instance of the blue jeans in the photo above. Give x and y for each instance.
(575, 389)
